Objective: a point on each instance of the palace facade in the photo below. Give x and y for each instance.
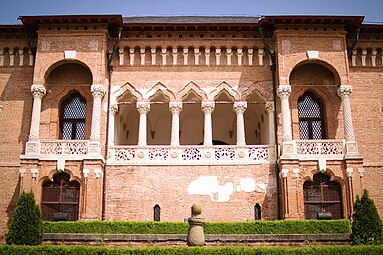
(138, 118)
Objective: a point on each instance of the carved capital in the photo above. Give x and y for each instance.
(38, 90)
(284, 91)
(97, 90)
(143, 107)
(240, 107)
(207, 107)
(175, 107)
(269, 106)
(344, 90)
(114, 109)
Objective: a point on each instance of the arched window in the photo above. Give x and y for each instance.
(257, 212)
(310, 113)
(157, 213)
(322, 195)
(60, 198)
(72, 119)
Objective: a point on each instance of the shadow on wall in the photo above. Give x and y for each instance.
(12, 203)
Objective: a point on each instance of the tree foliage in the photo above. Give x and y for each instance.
(367, 225)
(26, 227)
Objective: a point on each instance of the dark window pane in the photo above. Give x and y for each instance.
(73, 117)
(310, 113)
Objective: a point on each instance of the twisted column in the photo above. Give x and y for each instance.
(98, 91)
(344, 92)
(208, 108)
(175, 109)
(284, 92)
(240, 108)
(269, 108)
(143, 108)
(38, 91)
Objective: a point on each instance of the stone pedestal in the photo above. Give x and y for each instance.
(196, 236)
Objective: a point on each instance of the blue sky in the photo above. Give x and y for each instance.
(371, 9)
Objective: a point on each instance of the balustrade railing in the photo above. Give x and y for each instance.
(190, 155)
(314, 149)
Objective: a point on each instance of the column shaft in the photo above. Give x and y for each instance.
(208, 108)
(143, 108)
(38, 92)
(284, 92)
(344, 92)
(240, 108)
(98, 91)
(175, 108)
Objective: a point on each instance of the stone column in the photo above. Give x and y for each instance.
(239, 56)
(153, 51)
(38, 91)
(98, 91)
(196, 56)
(175, 55)
(21, 57)
(175, 109)
(11, 58)
(344, 91)
(373, 57)
(364, 55)
(164, 52)
(208, 108)
(1, 57)
(131, 56)
(112, 113)
(30, 55)
(207, 56)
(186, 55)
(229, 53)
(240, 108)
(218, 56)
(143, 108)
(353, 58)
(269, 108)
(284, 92)
(260, 56)
(142, 56)
(250, 56)
(121, 56)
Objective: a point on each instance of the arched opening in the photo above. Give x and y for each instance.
(157, 213)
(322, 196)
(60, 198)
(313, 74)
(127, 121)
(224, 119)
(191, 119)
(311, 117)
(256, 125)
(72, 74)
(159, 120)
(72, 117)
(257, 212)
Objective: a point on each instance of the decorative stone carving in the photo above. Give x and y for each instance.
(38, 90)
(97, 90)
(284, 91)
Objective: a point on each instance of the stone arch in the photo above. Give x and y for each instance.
(260, 89)
(127, 87)
(162, 88)
(319, 73)
(187, 88)
(224, 86)
(67, 66)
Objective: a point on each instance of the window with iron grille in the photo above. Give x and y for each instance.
(72, 121)
(310, 113)
(60, 196)
(157, 213)
(322, 195)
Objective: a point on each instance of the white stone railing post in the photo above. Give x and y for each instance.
(269, 108)
(208, 108)
(240, 108)
(344, 91)
(143, 108)
(112, 113)
(175, 109)
(98, 91)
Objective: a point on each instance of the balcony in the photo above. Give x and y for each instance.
(191, 155)
(315, 149)
(62, 149)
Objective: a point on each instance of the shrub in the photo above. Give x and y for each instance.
(366, 225)
(251, 227)
(26, 227)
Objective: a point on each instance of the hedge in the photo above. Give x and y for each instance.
(92, 250)
(251, 227)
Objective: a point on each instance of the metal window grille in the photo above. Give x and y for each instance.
(322, 195)
(73, 117)
(60, 196)
(157, 213)
(310, 113)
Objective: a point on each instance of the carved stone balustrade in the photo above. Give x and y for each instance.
(316, 149)
(191, 155)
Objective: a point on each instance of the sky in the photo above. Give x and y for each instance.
(371, 9)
